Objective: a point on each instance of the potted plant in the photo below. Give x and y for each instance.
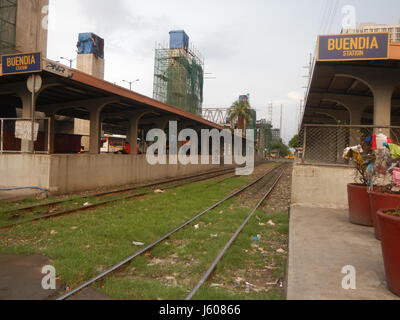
(358, 196)
(382, 199)
(359, 202)
(389, 222)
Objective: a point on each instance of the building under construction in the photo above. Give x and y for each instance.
(21, 26)
(264, 136)
(179, 74)
(8, 25)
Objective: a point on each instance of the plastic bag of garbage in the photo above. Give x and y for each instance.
(347, 154)
(396, 177)
(394, 150)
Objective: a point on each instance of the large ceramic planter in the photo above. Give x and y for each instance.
(380, 201)
(390, 233)
(359, 205)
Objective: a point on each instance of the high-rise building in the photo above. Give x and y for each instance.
(276, 135)
(179, 74)
(371, 27)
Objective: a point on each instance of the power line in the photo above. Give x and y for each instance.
(326, 16)
(325, 11)
(334, 15)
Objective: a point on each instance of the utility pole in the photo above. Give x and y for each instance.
(309, 68)
(270, 112)
(281, 127)
(300, 114)
(130, 83)
(69, 60)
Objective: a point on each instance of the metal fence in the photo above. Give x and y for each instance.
(324, 144)
(14, 132)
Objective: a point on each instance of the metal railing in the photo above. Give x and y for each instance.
(15, 131)
(324, 144)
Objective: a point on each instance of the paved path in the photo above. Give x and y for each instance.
(322, 242)
(21, 279)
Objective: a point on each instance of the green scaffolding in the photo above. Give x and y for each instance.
(8, 25)
(179, 79)
(265, 138)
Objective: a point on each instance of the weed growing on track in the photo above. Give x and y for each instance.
(86, 243)
(172, 269)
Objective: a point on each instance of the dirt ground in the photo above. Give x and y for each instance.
(273, 245)
(280, 198)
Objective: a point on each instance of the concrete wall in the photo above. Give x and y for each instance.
(30, 34)
(321, 186)
(25, 170)
(88, 63)
(62, 174)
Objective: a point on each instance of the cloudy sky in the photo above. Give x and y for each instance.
(256, 47)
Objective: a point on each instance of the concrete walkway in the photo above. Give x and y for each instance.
(322, 242)
(21, 277)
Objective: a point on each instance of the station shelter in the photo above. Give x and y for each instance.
(354, 91)
(53, 97)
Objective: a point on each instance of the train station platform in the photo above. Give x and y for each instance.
(75, 114)
(63, 174)
(322, 242)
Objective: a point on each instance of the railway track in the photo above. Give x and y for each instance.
(166, 184)
(278, 171)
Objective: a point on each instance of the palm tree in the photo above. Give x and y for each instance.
(241, 111)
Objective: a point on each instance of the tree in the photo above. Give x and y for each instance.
(282, 148)
(241, 111)
(294, 143)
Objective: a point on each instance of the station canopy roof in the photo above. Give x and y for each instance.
(326, 80)
(70, 87)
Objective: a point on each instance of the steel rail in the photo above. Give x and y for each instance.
(100, 194)
(91, 206)
(231, 241)
(155, 243)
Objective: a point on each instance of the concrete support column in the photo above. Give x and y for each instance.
(133, 130)
(133, 133)
(356, 111)
(383, 108)
(162, 124)
(50, 134)
(26, 98)
(356, 114)
(95, 130)
(382, 83)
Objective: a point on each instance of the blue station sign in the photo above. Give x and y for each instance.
(21, 63)
(360, 46)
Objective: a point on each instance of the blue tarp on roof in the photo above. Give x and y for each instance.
(90, 43)
(178, 40)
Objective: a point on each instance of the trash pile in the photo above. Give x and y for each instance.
(381, 163)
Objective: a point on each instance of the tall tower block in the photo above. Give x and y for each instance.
(179, 74)
(91, 55)
(23, 26)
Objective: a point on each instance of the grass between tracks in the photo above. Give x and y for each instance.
(86, 243)
(171, 270)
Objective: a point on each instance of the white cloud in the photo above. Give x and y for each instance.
(295, 96)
